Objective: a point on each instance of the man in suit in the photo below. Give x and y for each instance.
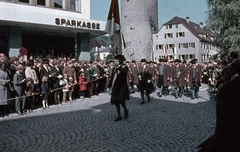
(119, 85)
(96, 75)
(56, 75)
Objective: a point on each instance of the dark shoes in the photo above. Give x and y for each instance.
(192, 98)
(142, 103)
(126, 114)
(118, 119)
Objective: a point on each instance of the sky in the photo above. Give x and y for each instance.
(167, 9)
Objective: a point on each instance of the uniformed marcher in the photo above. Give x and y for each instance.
(178, 80)
(163, 71)
(119, 85)
(145, 84)
(194, 79)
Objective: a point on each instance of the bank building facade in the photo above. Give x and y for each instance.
(55, 27)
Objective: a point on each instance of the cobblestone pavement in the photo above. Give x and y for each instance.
(164, 125)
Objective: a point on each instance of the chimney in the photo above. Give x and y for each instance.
(201, 24)
(187, 19)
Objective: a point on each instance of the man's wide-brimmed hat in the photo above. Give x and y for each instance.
(120, 57)
(143, 60)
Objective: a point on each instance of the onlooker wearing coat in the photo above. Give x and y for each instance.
(4, 92)
(82, 86)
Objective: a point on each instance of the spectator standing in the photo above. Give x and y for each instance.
(28, 92)
(4, 92)
(71, 84)
(18, 86)
(46, 90)
(82, 86)
(64, 83)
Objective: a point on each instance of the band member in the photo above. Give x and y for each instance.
(163, 72)
(178, 80)
(134, 74)
(145, 77)
(119, 85)
(194, 79)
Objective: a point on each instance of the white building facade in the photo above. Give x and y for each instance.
(44, 27)
(182, 39)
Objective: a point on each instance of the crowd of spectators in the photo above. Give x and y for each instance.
(42, 82)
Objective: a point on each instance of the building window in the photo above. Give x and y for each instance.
(159, 47)
(24, 1)
(58, 3)
(180, 34)
(176, 25)
(170, 46)
(75, 5)
(168, 26)
(183, 45)
(41, 2)
(168, 35)
(191, 56)
(192, 45)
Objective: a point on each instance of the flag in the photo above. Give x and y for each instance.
(165, 52)
(208, 51)
(153, 55)
(113, 25)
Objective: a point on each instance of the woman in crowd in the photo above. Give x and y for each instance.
(4, 92)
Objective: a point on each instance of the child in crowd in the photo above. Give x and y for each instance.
(82, 85)
(28, 91)
(18, 86)
(71, 88)
(46, 90)
(64, 84)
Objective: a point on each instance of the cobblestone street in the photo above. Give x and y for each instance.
(163, 125)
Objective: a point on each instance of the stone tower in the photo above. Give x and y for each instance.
(139, 20)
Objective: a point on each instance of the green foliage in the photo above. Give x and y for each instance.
(100, 41)
(224, 19)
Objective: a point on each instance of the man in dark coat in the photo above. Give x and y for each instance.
(145, 83)
(119, 85)
(227, 132)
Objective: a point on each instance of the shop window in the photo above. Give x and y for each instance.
(75, 5)
(23, 1)
(41, 2)
(58, 3)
